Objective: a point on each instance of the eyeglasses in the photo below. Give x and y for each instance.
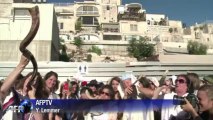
(105, 93)
(151, 83)
(181, 81)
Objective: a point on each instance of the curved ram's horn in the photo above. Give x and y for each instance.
(34, 12)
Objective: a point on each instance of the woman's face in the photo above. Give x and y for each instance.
(104, 94)
(93, 88)
(181, 85)
(168, 82)
(204, 102)
(74, 88)
(115, 85)
(51, 82)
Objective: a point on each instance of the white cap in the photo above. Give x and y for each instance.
(126, 76)
(173, 79)
(154, 80)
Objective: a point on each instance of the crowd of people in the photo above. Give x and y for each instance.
(15, 88)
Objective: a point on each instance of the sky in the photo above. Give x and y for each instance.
(187, 11)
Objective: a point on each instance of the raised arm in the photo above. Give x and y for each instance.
(157, 91)
(146, 91)
(11, 78)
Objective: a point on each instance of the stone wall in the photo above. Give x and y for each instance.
(9, 50)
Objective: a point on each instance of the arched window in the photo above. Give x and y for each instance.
(87, 8)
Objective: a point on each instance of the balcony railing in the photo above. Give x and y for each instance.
(132, 16)
(114, 30)
(95, 13)
(63, 4)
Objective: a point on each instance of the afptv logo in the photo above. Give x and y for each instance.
(24, 107)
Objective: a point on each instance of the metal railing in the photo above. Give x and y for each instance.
(87, 13)
(63, 4)
(104, 71)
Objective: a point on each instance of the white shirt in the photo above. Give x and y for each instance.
(172, 110)
(103, 116)
(53, 96)
(9, 115)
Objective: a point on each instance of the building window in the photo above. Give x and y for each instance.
(39, 1)
(88, 8)
(133, 27)
(20, 12)
(108, 7)
(61, 25)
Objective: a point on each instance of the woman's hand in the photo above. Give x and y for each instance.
(127, 91)
(158, 90)
(187, 107)
(23, 61)
(64, 94)
(31, 93)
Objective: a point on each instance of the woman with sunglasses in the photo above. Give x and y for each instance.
(106, 93)
(182, 88)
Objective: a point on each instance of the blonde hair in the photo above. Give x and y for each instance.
(208, 89)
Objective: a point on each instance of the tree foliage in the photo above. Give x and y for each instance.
(140, 49)
(196, 48)
(95, 49)
(78, 42)
(170, 30)
(61, 43)
(89, 58)
(78, 25)
(63, 56)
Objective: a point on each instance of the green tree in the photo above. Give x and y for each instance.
(98, 27)
(170, 30)
(196, 48)
(63, 56)
(61, 41)
(89, 58)
(95, 49)
(140, 49)
(78, 42)
(78, 26)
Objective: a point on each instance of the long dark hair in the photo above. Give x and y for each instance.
(111, 91)
(77, 88)
(119, 81)
(41, 92)
(116, 79)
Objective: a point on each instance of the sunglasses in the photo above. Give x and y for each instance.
(181, 81)
(105, 93)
